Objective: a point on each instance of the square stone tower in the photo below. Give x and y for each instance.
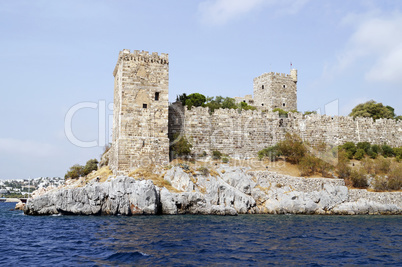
(140, 111)
(276, 90)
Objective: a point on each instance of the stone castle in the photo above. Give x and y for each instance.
(143, 120)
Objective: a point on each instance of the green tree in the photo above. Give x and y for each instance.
(372, 109)
(220, 102)
(78, 170)
(195, 100)
(229, 102)
(75, 172)
(182, 98)
(91, 165)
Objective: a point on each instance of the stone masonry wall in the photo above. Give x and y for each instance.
(243, 134)
(140, 129)
(276, 90)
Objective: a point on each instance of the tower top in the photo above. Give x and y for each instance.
(141, 56)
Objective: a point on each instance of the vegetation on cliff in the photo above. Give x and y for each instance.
(77, 170)
(375, 166)
(180, 146)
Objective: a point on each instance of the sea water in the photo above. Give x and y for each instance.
(244, 240)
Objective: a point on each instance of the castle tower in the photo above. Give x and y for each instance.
(140, 112)
(276, 90)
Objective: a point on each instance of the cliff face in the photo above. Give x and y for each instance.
(122, 195)
(230, 191)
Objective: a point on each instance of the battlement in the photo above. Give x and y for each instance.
(272, 74)
(141, 56)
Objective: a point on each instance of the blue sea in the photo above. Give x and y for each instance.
(188, 240)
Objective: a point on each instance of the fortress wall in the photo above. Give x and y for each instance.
(380, 197)
(268, 179)
(243, 134)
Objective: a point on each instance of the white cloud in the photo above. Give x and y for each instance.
(219, 12)
(378, 40)
(25, 148)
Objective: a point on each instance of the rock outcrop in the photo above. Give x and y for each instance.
(122, 195)
(229, 191)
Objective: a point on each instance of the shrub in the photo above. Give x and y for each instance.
(325, 168)
(376, 149)
(91, 165)
(281, 112)
(398, 152)
(359, 154)
(372, 154)
(292, 148)
(365, 146)
(204, 171)
(245, 106)
(387, 151)
(183, 166)
(368, 165)
(395, 178)
(271, 152)
(182, 147)
(225, 160)
(77, 170)
(309, 112)
(381, 165)
(359, 178)
(308, 165)
(349, 148)
(380, 183)
(216, 154)
(342, 167)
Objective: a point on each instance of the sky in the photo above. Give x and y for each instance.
(57, 60)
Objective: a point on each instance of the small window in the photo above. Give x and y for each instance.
(262, 87)
(157, 96)
(244, 101)
(283, 104)
(284, 86)
(262, 104)
(144, 105)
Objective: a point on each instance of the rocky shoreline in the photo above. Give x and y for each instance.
(229, 191)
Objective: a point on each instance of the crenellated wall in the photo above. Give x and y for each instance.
(243, 134)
